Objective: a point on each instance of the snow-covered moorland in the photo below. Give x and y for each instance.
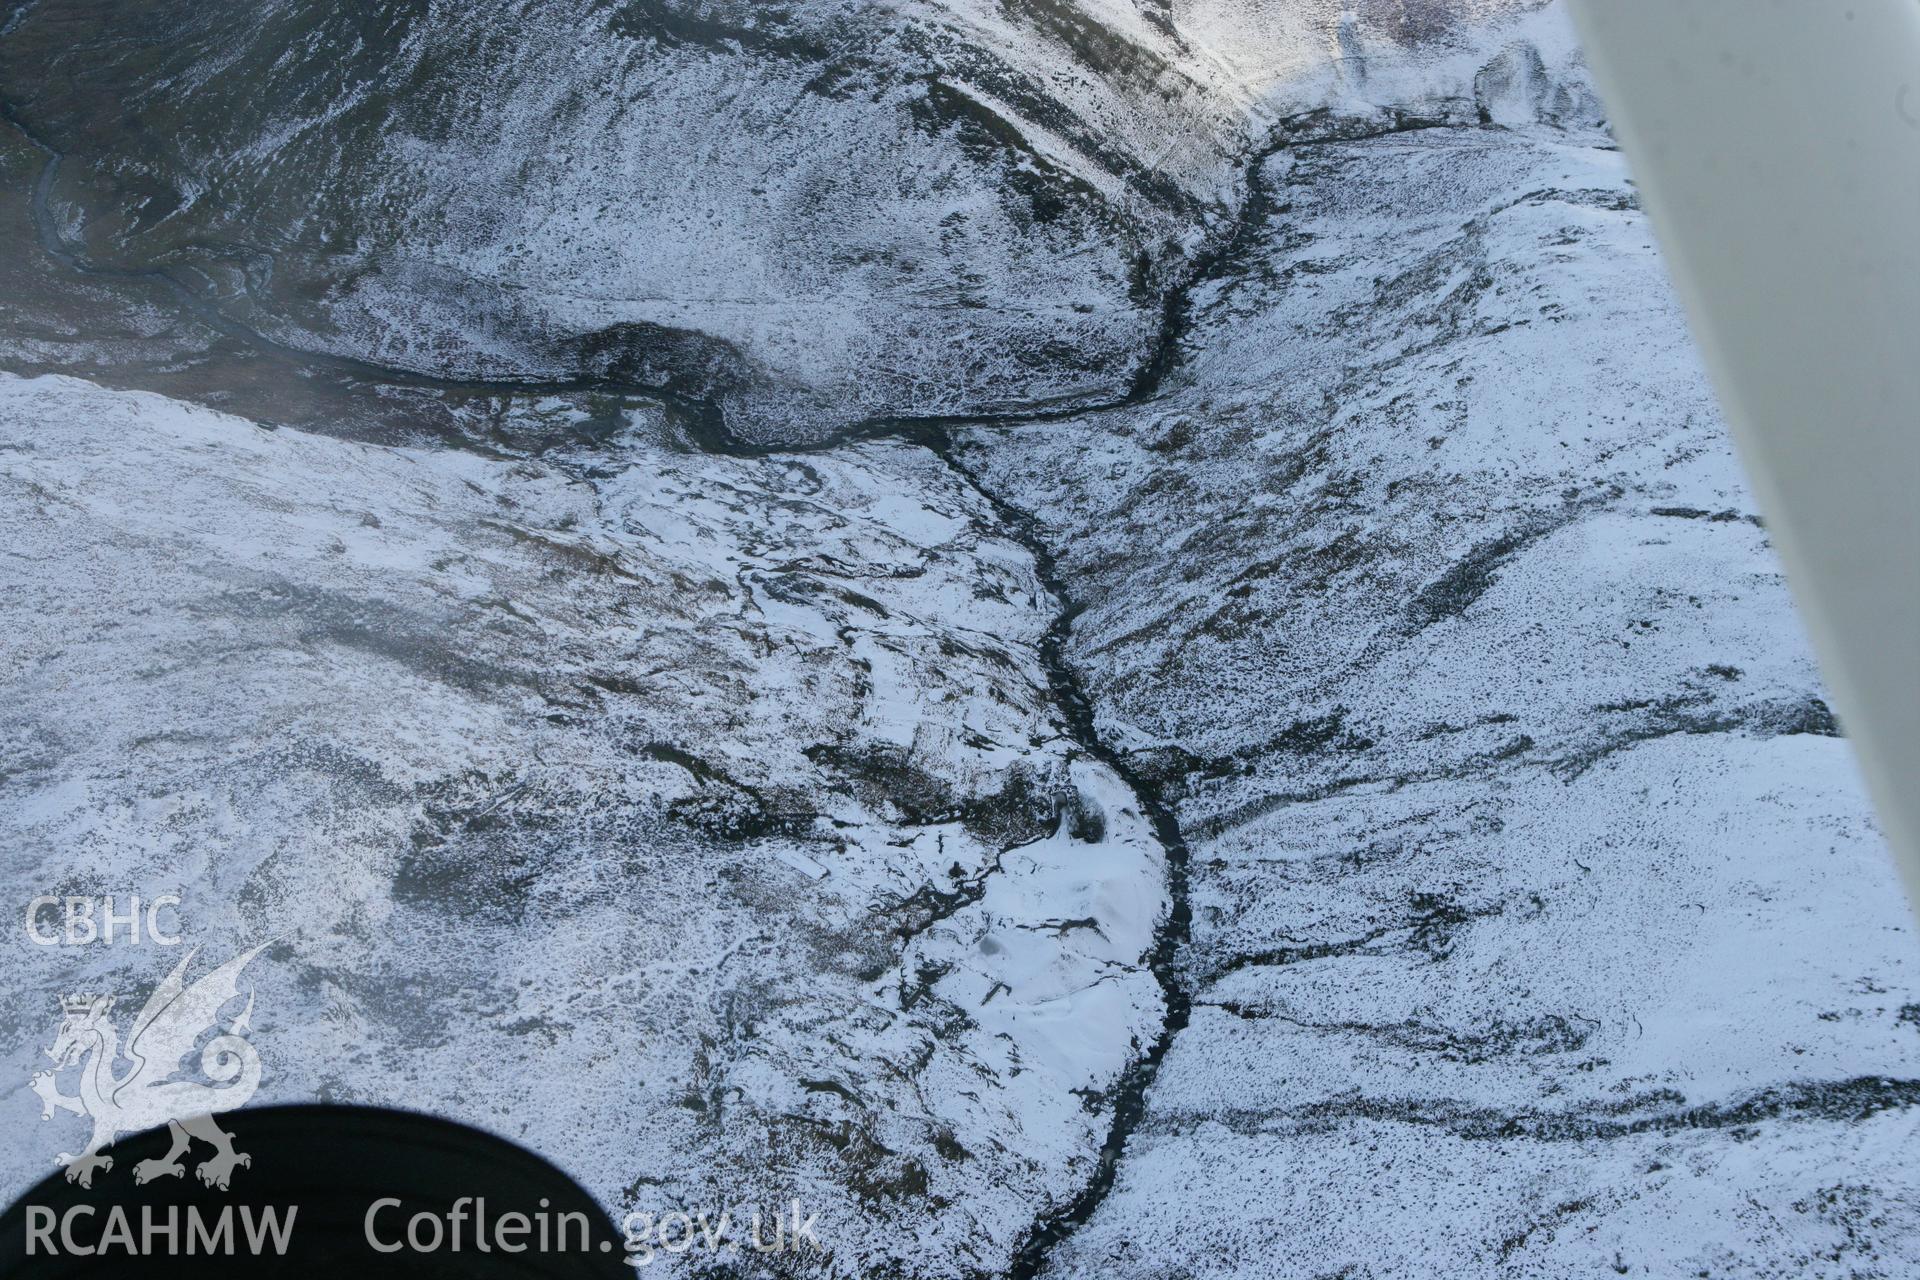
(1103, 639)
(1540, 923)
(704, 823)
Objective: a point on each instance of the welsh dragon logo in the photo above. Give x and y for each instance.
(154, 1090)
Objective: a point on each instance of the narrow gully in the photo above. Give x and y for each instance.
(1129, 1094)
(707, 429)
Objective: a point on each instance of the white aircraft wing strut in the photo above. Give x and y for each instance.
(1776, 144)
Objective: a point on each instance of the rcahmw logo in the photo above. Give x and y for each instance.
(161, 1230)
(150, 1092)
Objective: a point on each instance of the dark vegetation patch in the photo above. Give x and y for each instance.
(1465, 581)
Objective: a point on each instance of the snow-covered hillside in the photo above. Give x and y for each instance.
(704, 823)
(1539, 922)
(813, 212)
(1105, 638)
